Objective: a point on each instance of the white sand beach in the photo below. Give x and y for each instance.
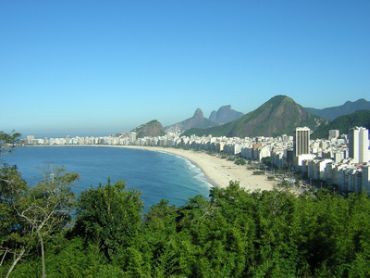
(219, 171)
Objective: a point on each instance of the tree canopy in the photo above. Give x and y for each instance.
(45, 231)
(234, 233)
(8, 140)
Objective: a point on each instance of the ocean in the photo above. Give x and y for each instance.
(156, 175)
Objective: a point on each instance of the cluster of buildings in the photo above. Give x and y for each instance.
(341, 160)
(126, 139)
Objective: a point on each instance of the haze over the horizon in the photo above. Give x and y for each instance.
(94, 67)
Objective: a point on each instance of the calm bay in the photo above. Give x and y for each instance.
(156, 175)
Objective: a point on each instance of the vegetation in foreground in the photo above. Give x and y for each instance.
(232, 234)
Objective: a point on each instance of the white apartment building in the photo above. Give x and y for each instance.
(359, 145)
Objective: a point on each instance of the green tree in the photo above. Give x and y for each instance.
(35, 213)
(110, 216)
(234, 233)
(159, 227)
(240, 161)
(8, 140)
(12, 234)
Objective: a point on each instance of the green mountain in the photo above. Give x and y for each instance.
(150, 129)
(349, 107)
(280, 115)
(196, 121)
(344, 123)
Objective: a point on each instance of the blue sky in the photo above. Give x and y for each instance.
(102, 66)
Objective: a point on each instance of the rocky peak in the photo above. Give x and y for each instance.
(198, 114)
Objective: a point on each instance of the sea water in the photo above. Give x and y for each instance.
(156, 175)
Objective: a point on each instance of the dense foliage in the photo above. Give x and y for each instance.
(30, 216)
(232, 234)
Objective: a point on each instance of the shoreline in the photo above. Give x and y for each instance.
(168, 151)
(218, 172)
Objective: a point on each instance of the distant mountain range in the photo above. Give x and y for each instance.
(150, 129)
(225, 114)
(280, 115)
(344, 123)
(334, 112)
(196, 121)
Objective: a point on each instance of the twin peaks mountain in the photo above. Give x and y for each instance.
(223, 115)
(196, 121)
(280, 115)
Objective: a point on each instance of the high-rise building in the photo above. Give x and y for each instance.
(359, 144)
(302, 141)
(366, 179)
(30, 139)
(132, 137)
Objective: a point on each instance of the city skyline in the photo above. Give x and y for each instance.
(94, 68)
(338, 159)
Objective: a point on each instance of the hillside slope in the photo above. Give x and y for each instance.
(150, 129)
(349, 107)
(344, 123)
